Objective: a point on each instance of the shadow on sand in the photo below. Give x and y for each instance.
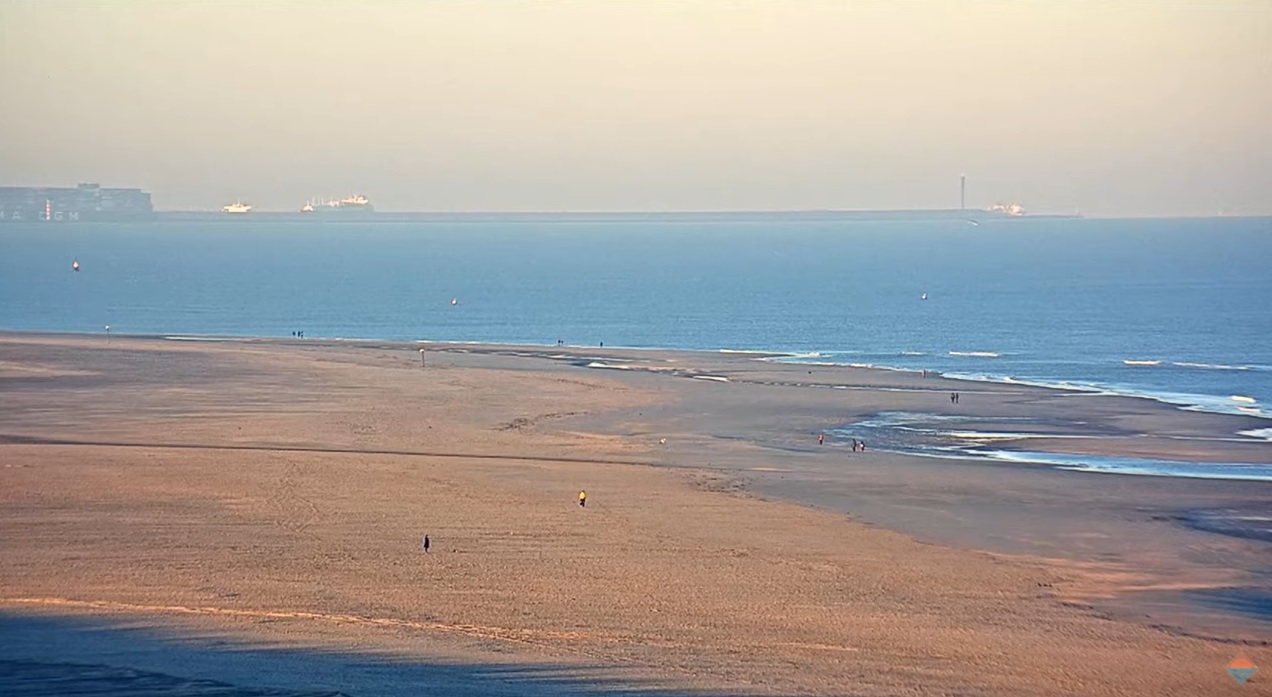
(109, 656)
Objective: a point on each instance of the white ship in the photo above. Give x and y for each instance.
(236, 207)
(1012, 209)
(358, 203)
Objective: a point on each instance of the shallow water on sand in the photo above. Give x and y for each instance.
(950, 436)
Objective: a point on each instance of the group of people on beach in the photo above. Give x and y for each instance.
(857, 445)
(953, 398)
(298, 335)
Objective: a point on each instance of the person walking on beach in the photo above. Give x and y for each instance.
(821, 438)
(425, 544)
(582, 499)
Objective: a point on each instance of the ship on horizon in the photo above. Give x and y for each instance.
(236, 208)
(350, 204)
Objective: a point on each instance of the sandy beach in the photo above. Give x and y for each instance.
(250, 513)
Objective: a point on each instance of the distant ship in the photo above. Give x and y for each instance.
(350, 204)
(1012, 209)
(236, 207)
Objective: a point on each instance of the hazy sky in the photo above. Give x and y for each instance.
(1110, 108)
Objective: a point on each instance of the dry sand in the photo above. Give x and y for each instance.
(251, 512)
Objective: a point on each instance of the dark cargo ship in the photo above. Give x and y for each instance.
(64, 204)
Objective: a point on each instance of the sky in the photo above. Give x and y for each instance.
(1105, 108)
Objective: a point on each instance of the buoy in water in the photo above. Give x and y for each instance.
(923, 297)
(454, 301)
(75, 265)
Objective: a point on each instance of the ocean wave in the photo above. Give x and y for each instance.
(1243, 398)
(1105, 464)
(1047, 384)
(1209, 366)
(1129, 361)
(754, 352)
(714, 378)
(1186, 401)
(913, 353)
(1260, 433)
(989, 436)
(1213, 404)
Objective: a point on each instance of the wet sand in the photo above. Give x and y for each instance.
(271, 496)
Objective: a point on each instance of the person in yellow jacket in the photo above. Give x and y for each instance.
(583, 498)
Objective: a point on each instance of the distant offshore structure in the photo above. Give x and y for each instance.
(84, 202)
(350, 204)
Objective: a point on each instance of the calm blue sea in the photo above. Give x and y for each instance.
(1051, 301)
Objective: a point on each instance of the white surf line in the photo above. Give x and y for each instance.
(538, 638)
(881, 388)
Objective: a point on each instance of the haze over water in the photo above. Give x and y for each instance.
(1108, 108)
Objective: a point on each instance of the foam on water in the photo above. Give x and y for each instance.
(938, 435)
(1109, 464)
(1259, 433)
(1210, 366)
(990, 436)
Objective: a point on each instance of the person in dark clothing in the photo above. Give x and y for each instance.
(426, 544)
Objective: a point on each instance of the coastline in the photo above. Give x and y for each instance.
(1260, 420)
(509, 430)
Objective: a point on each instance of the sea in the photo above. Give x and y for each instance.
(1176, 310)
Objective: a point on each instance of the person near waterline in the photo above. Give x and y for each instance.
(821, 438)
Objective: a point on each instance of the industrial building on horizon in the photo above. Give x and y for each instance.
(87, 201)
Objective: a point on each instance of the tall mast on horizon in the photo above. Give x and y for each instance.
(962, 192)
